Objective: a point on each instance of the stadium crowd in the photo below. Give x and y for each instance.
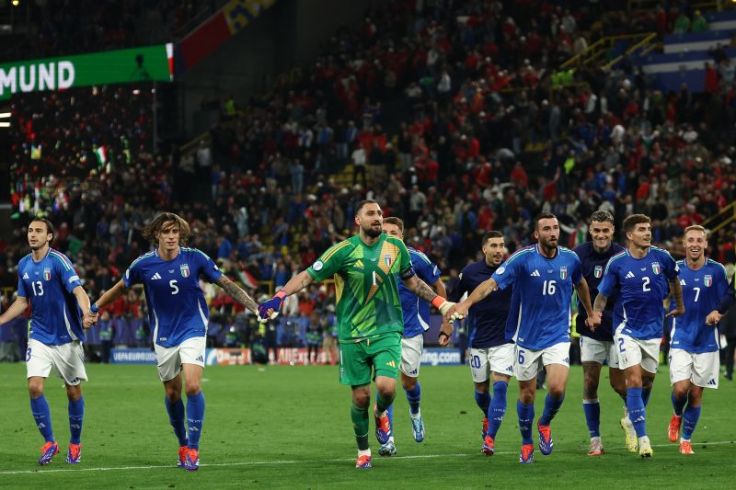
(42, 28)
(447, 114)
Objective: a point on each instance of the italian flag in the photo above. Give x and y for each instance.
(101, 154)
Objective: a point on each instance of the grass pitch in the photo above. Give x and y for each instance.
(281, 427)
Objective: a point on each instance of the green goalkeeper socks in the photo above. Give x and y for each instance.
(359, 417)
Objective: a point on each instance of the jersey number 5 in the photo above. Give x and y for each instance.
(174, 287)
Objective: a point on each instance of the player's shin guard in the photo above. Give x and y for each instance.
(637, 412)
(645, 394)
(414, 396)
(526, 418)
(483, 400)
(195, 418)
(689, 421)
(76, 415)
(592, 410)
(552, 405)
(176, 419)
(678, 404)
(497, 408)
(42, 416)
(359, 416)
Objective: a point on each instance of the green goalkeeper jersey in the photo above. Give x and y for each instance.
(366, 278)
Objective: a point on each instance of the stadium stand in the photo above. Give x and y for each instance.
(457, 112)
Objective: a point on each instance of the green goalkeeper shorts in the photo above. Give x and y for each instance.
(363, 360)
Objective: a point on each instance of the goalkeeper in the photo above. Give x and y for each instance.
(370, 323)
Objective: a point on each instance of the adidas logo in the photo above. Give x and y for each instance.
(712, 382)
(25, 276)
(156, 276)
(200, 359)
(359, 264)
(682, 282)
(535, 273)
(630, 275)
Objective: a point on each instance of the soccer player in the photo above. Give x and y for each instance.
(366, 268)
(179, 316)
(416, 322)
(693, 357)
(596, 346)
(543, 276)
(47, 280)
(644, 275)
(491, 354)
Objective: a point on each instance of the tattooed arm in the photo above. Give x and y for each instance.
(237, 293)
(600, 303)
(420, 288)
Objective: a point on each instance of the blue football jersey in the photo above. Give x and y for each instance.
(415, 309)
(643, 284)
(486, 319)
(543, 290)
(176, 306)
(702, 291)
(593, 264)
(48, 284)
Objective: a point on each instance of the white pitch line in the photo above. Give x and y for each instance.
(282, 462)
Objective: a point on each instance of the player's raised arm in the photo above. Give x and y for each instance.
(270, 309)
(16, 308)
(237, 293)
(677, 293)
(422, 289)
(484, 289)
(90, 318)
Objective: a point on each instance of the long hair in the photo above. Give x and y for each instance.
(158, 223)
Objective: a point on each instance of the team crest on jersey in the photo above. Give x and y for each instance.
(708, 280)
(598, 271)
(656, 267)
(184, 269)
(563, 272)
(47, 274)
(387, 259)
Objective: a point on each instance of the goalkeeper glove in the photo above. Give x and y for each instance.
(273, 305)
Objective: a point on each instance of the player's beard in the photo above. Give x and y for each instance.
(373, 232)
(38, 245)
(548, 245)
